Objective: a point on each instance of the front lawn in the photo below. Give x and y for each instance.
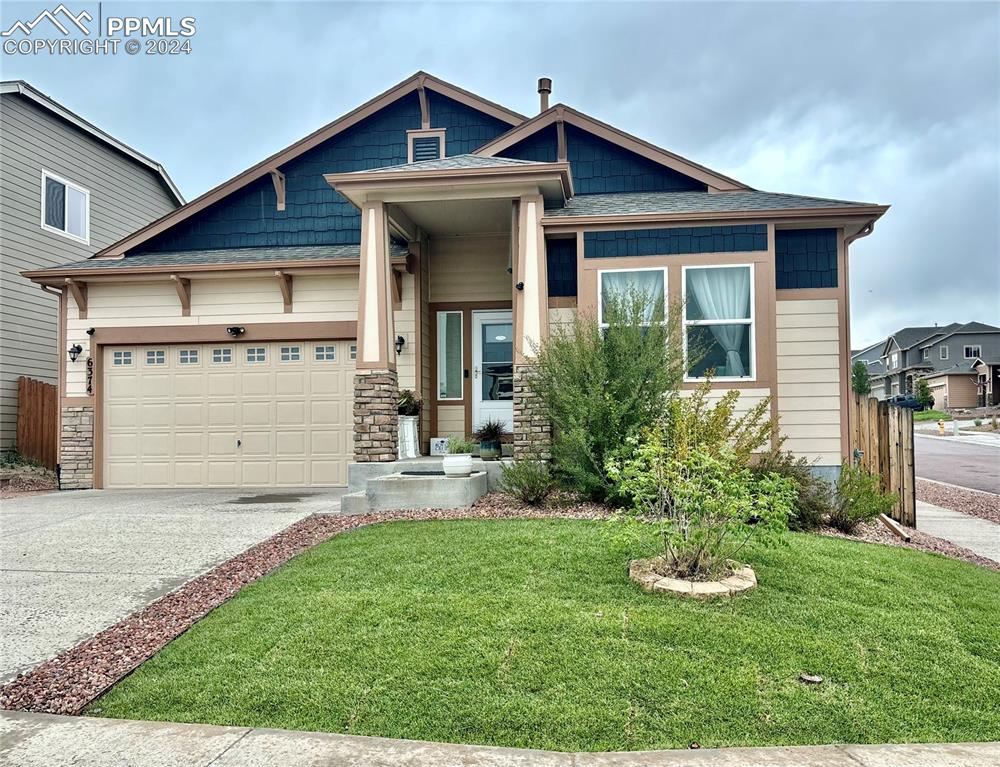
(529, 633)
(931, 415)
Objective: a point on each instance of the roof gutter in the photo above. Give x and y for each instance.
(739, 215)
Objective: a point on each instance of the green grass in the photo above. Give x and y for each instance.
(931, 415)
(529, 633)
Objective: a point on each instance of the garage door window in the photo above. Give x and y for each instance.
(188, 356)
(256, 354)
(354, 352)
(326, 353)
(156, 357)
(291, 353)
(222, 356)
(121, 359)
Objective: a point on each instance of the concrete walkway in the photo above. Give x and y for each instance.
(73, 563)
(973, 533)
(43, 740)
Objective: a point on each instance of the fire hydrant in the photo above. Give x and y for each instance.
(941, 428)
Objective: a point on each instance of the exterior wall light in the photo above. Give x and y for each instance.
(74, 352)
(400, 342)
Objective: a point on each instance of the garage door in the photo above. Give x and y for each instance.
(228, 415)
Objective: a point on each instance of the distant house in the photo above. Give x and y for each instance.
(960, 361)
(67, 190)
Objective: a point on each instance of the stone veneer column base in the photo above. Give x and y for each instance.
(76, 443)
(532, 431)
(376, 393)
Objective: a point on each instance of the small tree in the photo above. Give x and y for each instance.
(923, 393)
(599, 386)
(861, 381)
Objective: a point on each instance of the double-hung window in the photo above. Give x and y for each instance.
(972, 352)
(618, 288)
(719, 321)
(65, 207)
(450, 372)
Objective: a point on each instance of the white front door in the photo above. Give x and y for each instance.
(492, 368)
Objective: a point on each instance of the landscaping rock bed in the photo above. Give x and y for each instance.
(974, 502)
(67, 683)
(644, 572)
(878, 533)
(22, 480)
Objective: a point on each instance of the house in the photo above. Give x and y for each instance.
(67, 191)
(961, 362)
(428, 240)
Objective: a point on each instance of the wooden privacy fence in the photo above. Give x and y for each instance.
(37, 420)
(884, 435)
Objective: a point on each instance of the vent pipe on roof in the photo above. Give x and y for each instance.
(544, 89)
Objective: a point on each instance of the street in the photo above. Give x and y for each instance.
(973, 466)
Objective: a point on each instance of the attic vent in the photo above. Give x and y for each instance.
(425, 144)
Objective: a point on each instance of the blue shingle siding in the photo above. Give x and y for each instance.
(805, 258)
(466, 129)
(314, 213)
(600, 167)
(560, 256)
(676, 241)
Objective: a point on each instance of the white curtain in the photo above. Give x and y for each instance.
(724, 294)
(621, 285)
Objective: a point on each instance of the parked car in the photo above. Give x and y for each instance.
(905, 400)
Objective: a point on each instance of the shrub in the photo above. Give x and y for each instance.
(859, 498)
(861, 380)
(491, 431)
(458, 446)
(598, 387)
(689, 476)
(408, 403)
(813, 495)
(528, 481)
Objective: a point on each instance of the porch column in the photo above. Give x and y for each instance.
(532, 432)
(376, 387)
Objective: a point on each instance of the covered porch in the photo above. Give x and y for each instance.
(460, 327)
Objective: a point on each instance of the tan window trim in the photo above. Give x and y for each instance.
(424, 133)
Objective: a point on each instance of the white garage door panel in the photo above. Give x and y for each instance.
(261, 415)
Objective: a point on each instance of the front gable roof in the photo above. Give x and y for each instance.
(564, 114)
(416, 83)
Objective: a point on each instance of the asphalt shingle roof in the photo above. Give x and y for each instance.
(625, 203)
(457, 162)
(229, 256)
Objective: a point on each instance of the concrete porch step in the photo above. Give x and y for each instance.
(397, 485)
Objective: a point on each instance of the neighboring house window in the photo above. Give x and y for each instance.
(158, 357)
(894, 360)
(188, 356)
(256, 354)
(290, 353)
(354, 351)
(927, 354)
(628, 284)
(971, 352)
(944, 352)
(449, 355)
(719, 321)
(121, 359)
(222, 356)
(326, 353)
(65, 207)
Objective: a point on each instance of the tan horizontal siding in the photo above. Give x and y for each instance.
(470, 269)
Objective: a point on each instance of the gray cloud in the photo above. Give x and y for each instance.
(883, 102)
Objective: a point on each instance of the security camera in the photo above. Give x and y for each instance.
(91, 331)
(236, 330)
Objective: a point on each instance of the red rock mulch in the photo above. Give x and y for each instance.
(879, 533)
(974, 502)
(25, 480)
(68, 682)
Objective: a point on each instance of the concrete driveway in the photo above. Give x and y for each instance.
(73, 563)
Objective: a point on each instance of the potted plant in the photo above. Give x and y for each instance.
(458, 462)
(408, 409)
(489, 435)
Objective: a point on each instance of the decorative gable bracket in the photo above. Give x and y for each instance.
(278, 179)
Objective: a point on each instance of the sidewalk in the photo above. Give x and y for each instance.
(989, 439)
(43, 740)
(973, 533)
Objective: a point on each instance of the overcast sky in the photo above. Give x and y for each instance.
(891, 103)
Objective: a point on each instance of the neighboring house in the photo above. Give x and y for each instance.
(428, 240)
(960, 361)
(67, 190)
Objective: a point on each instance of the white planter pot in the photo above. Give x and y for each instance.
(457, 465)
(408, 439)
